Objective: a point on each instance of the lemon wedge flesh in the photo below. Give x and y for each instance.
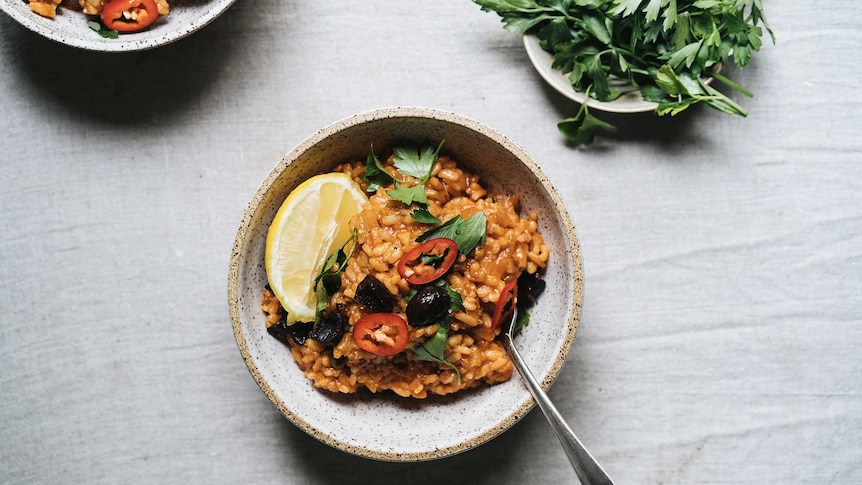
(310, 225)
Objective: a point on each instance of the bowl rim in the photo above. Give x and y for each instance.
(24, 17)
(572, 248)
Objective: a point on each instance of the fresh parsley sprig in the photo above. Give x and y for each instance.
(467, 234)
(375, 175)
(434, 349)
(662, 48)
(582, 128)
(415, 162)
(424, 216)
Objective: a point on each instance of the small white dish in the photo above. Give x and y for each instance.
(70, 27)
(543, 61)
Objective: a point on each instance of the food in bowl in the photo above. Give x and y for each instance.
(373, 425)
(411, 296)
(117, 16)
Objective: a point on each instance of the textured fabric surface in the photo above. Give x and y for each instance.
(722, 321)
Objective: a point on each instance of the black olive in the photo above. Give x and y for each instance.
(282, 331)
(429, 305)
(374, 296)
(530, 286)
(329, 329)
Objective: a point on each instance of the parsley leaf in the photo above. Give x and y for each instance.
(466, 234)
(102, 30)
(416, 162)
(375, 175)
(423, 216)
(522, 321)
(328, 281)
(456, 300)
(411, 161)
(582, 128)
(408, 195)
(433, 350)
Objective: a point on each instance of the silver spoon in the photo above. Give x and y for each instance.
(586, 467)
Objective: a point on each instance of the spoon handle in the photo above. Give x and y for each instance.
(586, 467)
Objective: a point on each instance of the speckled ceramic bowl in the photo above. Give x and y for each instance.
(70, 27)
(384, 426)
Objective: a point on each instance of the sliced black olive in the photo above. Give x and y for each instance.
(282, 331)
(429, 305)
(530, 286)
(374, 296)
(329, 329)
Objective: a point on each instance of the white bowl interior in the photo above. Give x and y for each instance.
(70, 27)
(384, 426)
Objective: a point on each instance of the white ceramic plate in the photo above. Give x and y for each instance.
(384, 426)
(70, 27)
(542, 60)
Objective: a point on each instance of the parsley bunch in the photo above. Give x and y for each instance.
(662, 48)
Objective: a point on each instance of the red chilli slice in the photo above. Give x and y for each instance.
(506, 304)
(428, 261)
(381, 333)
(129, 15)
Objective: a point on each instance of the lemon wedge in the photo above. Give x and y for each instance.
(310, 225)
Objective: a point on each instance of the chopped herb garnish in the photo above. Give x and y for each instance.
(457, 302)
(329, 280)
(408, 195)
(434, 349)
(375, 175)
(413, 162)
(522, 321)
(417, 163)
(423, 216)
(466, 234)
(102, 30)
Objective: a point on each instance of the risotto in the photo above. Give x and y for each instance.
(415, 313)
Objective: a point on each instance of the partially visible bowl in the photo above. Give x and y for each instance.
(384, 426)
(542, 60)
(630, 102)
(70, 27)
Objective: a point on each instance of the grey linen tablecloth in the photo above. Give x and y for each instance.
(721, 328)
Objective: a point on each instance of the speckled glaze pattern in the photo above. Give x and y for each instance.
(385, 426)
(70, 27)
